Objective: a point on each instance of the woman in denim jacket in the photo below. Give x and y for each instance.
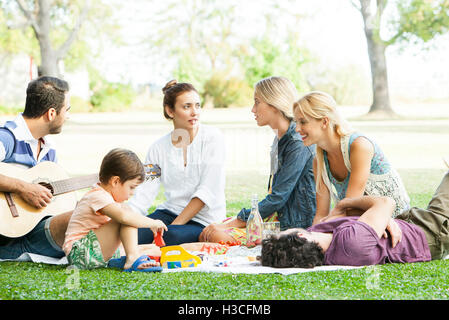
(291, 190)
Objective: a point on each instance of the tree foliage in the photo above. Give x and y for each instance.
(205, 39)
(265, 57)
(109, 96)
(405, 20)
(13, 41)
(390, 22)
(421, 20)
(51, 30)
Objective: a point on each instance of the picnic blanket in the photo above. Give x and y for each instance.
(32, 257)
(234, 261)
(240, 259)
(255, 268)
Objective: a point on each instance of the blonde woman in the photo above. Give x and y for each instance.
(347, 160)
(291, 187)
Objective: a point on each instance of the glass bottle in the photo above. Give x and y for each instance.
(254, 224)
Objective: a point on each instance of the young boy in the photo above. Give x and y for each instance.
(100, 223)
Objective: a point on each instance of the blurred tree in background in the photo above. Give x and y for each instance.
(198, 34)
(214, 54)
(266, 57)
(409, 21)
(216, 45)
(15, 40)
(109, 96)
(55, 25)
(62, 33)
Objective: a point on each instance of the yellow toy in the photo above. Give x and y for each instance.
(173, 257)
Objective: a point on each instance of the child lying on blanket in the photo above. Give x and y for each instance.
(100, 223)
(416, 235)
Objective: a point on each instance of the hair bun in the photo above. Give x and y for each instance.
(169, 84)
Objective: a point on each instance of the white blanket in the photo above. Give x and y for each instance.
(256, 268)
(236, 261)
(32, 257)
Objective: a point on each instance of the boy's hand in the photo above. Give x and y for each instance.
(159, 240)
(158, 226)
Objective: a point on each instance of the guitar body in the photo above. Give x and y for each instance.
(28, 216)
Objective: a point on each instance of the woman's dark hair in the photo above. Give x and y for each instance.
(44, 93)
(122, 163)
(171, 91)
(291, 251)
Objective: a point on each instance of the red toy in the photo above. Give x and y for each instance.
(158, 240)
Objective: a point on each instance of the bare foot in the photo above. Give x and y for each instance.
(147, 264)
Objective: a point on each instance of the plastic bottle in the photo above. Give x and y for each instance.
(254, 224)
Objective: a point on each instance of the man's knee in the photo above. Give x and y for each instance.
(207, 232)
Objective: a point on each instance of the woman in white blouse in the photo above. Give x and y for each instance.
(191, 158)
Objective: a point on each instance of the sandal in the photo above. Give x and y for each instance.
(141, 260)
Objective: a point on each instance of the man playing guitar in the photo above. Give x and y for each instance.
(24, 142)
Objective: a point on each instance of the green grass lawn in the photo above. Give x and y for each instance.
(397, 281)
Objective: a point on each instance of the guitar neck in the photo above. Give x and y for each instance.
(73, 184)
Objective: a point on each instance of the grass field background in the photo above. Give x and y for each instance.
(414, 145)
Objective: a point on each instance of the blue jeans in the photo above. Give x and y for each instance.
(38, 241)
(176, 234)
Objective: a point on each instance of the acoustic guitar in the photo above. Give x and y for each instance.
(17, 217)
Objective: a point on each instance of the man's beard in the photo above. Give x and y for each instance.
(55, 129)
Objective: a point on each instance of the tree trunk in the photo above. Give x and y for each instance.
(49, 58)
(379, 77)
(49, 61)
(40, 20)
(376, 52)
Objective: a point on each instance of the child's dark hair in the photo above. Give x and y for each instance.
(122, 163)
(171, 91)
(291, 251)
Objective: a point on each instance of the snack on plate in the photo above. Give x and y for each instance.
(230, 243)
(214, 249)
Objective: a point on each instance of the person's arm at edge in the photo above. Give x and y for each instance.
(192, 208)
(362, 152)
(126, 216)
(375, 211)
(322, 198)
(34, 194)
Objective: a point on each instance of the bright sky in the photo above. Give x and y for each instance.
(334, 32)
